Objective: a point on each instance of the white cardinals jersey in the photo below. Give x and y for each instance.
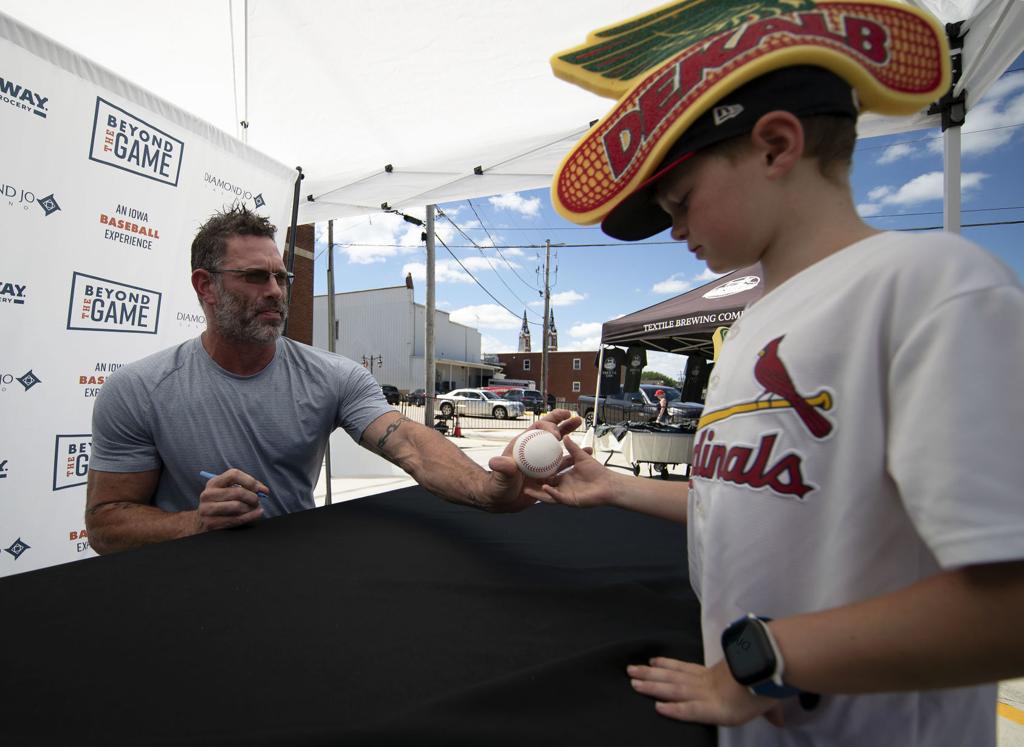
(862, 431)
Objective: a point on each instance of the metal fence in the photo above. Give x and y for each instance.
(488, 415)
(492, 415)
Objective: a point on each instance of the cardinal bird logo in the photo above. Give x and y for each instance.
(771, 373)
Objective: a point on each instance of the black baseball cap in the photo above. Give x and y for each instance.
(802, 90)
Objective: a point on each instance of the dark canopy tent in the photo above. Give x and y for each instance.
(685, 324)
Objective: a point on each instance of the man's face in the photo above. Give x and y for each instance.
(243, 311)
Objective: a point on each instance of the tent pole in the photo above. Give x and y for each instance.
(597, 391)
(951, 179)
(330, 339)
(291, 236)
(430, 372)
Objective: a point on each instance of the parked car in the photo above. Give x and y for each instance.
(478, 402)
(417, 397)
(534, 401)
(530, 398)
(391, 394)
(641, 405)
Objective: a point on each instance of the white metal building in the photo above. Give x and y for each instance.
(384, 328)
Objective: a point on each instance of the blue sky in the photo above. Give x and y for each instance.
(897, 182)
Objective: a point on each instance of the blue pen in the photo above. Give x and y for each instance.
(209, 476)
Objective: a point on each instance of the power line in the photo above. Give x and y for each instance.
(963, 225)
(494, 244)
(466, 269)
(469, 238)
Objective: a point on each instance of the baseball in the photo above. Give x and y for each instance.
(537, 453)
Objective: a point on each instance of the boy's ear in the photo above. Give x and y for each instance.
(778, 137)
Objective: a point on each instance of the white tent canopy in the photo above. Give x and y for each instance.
(457, 97)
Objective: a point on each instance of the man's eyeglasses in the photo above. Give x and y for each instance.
(260, 277)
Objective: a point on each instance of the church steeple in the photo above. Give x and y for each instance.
(552, 333)
(524, 336)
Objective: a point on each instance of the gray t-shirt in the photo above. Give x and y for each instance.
(178, 411)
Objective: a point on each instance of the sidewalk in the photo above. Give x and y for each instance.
(481, 445)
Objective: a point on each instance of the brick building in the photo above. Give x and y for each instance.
(572, 372)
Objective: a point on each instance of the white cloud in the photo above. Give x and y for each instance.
(923, 188)
(929, 187)
(516, 203)
(673, 284)
(708, 275)
(489, 344)
(585, 329)
(449, 271)
(895, 153)
(368, 239)
(513, 252)
(583, 343)
(487, 316)
(565, 298)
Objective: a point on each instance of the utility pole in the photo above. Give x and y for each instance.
(330, 339)
(428, 338)
(544, 336)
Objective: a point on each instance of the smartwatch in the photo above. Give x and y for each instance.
(754, 658)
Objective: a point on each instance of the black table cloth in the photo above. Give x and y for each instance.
(394, 619)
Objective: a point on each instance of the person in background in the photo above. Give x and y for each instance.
(855, 526)
(662, 416)
(231, 426)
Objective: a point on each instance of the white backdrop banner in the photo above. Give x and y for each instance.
(102, 187)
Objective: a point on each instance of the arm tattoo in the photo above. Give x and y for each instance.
(391, 429)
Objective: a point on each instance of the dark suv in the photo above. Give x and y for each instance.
(391, 394)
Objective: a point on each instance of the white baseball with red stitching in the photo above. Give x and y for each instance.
(537, 453)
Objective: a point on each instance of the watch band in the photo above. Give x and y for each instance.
(771, 690)
(779, 689)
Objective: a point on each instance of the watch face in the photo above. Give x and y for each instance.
(748, 652)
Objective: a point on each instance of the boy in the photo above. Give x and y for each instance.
(855, 526)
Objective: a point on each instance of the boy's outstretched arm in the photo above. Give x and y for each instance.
(589, 483)
(954, 629)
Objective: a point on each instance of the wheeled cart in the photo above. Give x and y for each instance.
(658, 451)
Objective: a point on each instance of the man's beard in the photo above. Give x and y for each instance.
(238, 319)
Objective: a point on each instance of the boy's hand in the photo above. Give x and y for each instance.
(707, 695)
(508, 489)
(587, 484)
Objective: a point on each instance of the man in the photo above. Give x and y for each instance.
(255, 410)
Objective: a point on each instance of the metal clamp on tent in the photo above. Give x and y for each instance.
(953, 107)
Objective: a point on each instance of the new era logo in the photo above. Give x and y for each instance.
(725, 113)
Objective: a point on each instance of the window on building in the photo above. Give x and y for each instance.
(576, 385)
(526, 364)
(576, 364)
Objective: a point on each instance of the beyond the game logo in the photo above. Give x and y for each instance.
(71, 460)
(124, 141)
(105, 305)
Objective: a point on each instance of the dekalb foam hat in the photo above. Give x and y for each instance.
(673, 69)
